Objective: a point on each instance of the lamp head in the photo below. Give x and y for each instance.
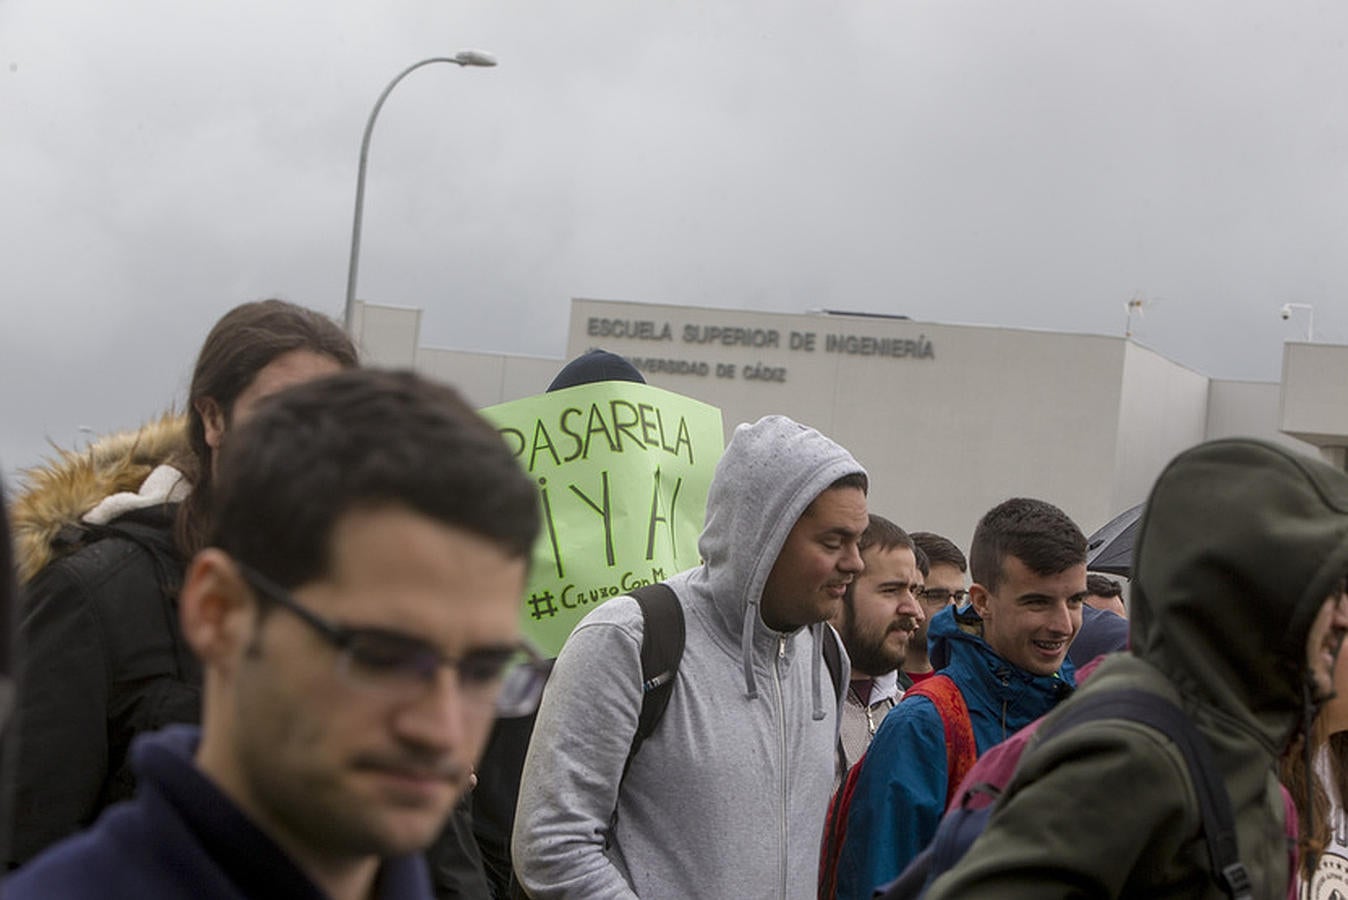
(474, 58)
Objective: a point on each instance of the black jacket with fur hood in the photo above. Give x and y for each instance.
(101, 653)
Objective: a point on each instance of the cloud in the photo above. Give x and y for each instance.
(1031, 164)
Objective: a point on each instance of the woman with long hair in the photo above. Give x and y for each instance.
(1315, 772)
(103, 538)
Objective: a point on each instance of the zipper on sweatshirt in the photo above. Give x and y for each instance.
(781, 732)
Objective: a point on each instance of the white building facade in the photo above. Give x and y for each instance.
(949, 419)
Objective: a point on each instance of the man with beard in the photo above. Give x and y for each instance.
(728, 794)
(879, 615)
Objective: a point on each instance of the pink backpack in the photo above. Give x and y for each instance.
(969, 806)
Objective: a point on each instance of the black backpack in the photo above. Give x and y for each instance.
(962, 825)
(662, 638)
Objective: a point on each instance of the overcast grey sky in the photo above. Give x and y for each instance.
(1029, 164)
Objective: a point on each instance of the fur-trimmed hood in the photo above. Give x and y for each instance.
(65, 490)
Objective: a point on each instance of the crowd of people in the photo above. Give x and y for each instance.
(272, 648)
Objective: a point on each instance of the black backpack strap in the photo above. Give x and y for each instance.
(662, 637)
(1155, 711)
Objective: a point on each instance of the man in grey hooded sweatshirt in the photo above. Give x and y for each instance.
(727, 796)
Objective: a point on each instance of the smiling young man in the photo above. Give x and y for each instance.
(354, 612)
(727, 796)
(1005, 657)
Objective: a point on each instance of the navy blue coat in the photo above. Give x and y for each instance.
(181, 837)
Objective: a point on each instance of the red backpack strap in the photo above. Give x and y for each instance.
(961, 750)
(835, 831)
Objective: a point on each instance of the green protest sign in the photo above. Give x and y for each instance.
(622, 471)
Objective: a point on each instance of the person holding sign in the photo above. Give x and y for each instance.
(498, 785)
(622, 470)
(727, 795)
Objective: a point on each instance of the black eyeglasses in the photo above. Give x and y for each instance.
(942, 595)
(400, 666)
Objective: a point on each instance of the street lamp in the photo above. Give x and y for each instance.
(462, 58)
(1286, 313)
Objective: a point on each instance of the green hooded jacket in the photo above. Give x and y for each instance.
(1241, 543)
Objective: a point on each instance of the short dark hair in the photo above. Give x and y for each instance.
(885, 535)
(856, 480)
(1035, 532)
(356, 440)
(923, 562)
(244, 342)
(941, 551)
(1098, 585)
(882, 533)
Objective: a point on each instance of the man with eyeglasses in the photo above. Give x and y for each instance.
(879, 615)
(356, 617)
(943, 586)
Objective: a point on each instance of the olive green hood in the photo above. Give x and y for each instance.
(1240, 544)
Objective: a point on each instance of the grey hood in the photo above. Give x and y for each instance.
(728, 795)
(769, 474)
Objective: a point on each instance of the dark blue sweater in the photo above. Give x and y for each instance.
(182, 837)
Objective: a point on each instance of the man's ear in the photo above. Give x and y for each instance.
(212, 420)
(216, 608)
(979, 597)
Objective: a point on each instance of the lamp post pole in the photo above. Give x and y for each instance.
(462, 58)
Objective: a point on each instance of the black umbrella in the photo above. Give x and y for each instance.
(1110, 549)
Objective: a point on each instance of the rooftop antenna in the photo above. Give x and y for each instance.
(1138, 305)
(1134, 305)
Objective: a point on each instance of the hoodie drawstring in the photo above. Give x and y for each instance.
(817, 652)
(747, 649)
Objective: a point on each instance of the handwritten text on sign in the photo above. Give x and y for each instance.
(622, 471)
